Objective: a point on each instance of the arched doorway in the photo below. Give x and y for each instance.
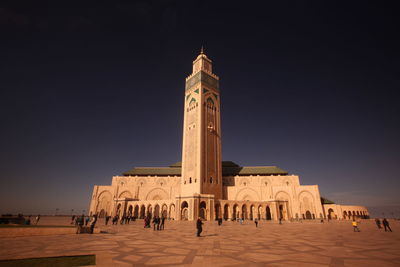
(102, 214)
(202, 210)
(235, 214)
(136, 211)
(283, 205)
(226, 212)
(268, 213)
(244, 212)
(142, 211)
(308, 215)
(217, 211)
(150, 211)
(172, 211)
(184, 211)
(344, 215)
(251, 212)
(157, 211)
(130, 210)
(330, 214)
(119, 210)
(281, 212)
(164, 211)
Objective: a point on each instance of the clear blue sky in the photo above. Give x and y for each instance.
(91, 91)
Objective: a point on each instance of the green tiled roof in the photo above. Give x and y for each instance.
(229, 168)
(145, 171)
(326, 201)
(256, 170)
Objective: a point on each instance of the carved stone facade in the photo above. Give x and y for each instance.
(204, 186)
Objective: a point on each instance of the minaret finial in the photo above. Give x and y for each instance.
(202, 50)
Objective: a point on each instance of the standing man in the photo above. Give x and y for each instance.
(256, 222)
(199, 226)
(162, 223)
(386, 225)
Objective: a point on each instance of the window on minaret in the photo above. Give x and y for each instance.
(190, 180)
(211, 180)
(210, 103)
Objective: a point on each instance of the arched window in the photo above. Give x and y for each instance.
(190, 180)
(211, 180)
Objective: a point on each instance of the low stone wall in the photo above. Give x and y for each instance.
(36, 231)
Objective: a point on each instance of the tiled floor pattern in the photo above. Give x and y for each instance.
(308, 244)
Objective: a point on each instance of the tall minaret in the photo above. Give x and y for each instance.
(201, 151)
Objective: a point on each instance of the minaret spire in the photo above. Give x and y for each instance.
(202, 50)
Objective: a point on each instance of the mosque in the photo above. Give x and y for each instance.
(203, 185)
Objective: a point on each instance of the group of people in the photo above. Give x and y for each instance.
(378, 222)
(385, 224)
(124, 219)
(81, 221)
(29, 220)
(158, 223)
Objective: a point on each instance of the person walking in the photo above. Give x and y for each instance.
(199, 226)
(87, 220)
(158, 221)
(386, 225)
(107, 219)
(378, 223)
(256, 222)
(162, 223)
(355, 226)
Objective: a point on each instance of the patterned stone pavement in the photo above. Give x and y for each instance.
(310, 244)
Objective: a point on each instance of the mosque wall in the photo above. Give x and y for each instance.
(345, 212)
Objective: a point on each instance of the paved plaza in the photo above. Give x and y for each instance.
(310, 244)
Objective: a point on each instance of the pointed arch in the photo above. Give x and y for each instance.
(247, 194)
(157, 194)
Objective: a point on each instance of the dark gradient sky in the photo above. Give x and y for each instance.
(91, 90)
